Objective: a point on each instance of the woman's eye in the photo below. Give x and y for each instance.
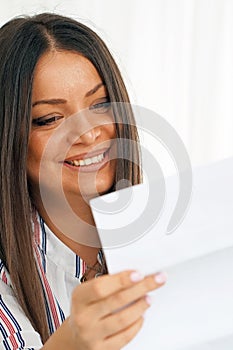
(101, 107)
(48, 120)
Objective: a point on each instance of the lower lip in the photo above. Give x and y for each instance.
(91, 167)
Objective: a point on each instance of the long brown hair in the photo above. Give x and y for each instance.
(22, 42)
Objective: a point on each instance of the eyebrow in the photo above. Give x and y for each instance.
(56, 101)
(53, 101)
(93, 91)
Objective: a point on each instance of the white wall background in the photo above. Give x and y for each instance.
(176, 57)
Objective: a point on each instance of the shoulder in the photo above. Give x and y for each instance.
(16, 331)
(4, 275)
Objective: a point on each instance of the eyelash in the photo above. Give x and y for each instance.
(42, 122)
(101, 107)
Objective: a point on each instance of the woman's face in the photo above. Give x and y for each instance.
(66, 83)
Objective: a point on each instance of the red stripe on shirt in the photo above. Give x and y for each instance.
(49, 292)
(10, 328)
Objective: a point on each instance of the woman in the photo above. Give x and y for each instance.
(51, 68)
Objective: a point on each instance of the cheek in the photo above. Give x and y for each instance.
(35, 151)
(33, 167)
(110, 130)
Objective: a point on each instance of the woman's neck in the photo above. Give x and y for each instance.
(75, 229)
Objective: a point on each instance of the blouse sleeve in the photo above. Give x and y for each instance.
(16, 331)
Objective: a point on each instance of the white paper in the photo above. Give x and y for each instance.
(194, 310)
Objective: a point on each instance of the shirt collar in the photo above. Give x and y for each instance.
(57, 252)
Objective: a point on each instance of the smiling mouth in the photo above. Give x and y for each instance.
(86, 161)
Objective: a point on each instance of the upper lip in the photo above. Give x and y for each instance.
(87, 154)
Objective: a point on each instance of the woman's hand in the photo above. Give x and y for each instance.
(107, 312)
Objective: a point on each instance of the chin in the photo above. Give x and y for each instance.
(89, 191)
(100, 190)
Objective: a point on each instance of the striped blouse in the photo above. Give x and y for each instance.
(60, 271)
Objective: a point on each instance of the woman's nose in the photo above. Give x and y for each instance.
(89, 137)
(82, 129)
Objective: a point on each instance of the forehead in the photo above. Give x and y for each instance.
(59, 72)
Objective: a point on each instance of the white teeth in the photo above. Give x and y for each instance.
(100, 157)
(87, 161)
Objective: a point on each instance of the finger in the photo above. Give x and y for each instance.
(102, 287)
(117, 341)
(123, 319)
(125, 297)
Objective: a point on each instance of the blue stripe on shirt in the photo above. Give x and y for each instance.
(13, 321)
(6, 345)
(43, 243)
(3, 331)
(77, 272)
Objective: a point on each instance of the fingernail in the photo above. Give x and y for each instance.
(161, 277)
(148, 300)
(136, 276)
